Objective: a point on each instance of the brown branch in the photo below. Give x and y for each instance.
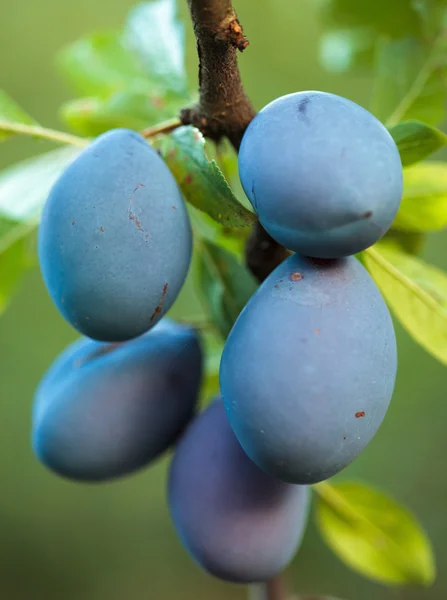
(224, 109)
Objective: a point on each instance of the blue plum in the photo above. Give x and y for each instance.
(308, 370)
(105, 410)
(238, 523)
(115, 238)
(322, 173)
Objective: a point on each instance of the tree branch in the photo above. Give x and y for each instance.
(224, 109)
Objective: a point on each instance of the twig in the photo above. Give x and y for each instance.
(164, 127)
(43, 133)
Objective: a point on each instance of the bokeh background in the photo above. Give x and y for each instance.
(61, 541)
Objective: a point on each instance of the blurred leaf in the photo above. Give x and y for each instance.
(24, 188)
(411, 242)
(395, 18)
(419, 90)
(131, 109)
(416, 292)
(432, 14)
(100, 64)
(17, 254)
(374, 534)
(213, 347)
(342, 50)
(416, 141)
(11, 113)
(424, 201)
(157, 37)
(232, 239)
(227, 159)
(200, 179)
(225, 285)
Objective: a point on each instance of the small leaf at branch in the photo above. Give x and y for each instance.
(374, 534)
(416, 292)
(416, 141)
(424, 201)
(200, 179)
(225, 285)
(157, 38)
(10, 112)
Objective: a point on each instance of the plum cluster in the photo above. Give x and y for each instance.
(307, 372)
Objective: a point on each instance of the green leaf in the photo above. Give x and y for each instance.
(157, 37)
(10, 112)
(131, 109)
(395, 18)
(343, 50)
(233, 239)
(416, 141)
(213, 348)
(16, 256)
(432, 14)
(419, 90)
(100, 64)
(374, 535)
(225, 285)
(424, 201)
(200, 179)
(416, 292)
(411, 242)
(24, 189)
(24, 186)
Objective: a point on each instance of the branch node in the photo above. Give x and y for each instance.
(231, 31)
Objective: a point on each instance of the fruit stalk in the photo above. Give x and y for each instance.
(274, 589)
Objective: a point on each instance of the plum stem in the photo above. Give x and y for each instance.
(163, 127)
(274, 589)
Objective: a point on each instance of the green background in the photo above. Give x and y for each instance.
(114, 542)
